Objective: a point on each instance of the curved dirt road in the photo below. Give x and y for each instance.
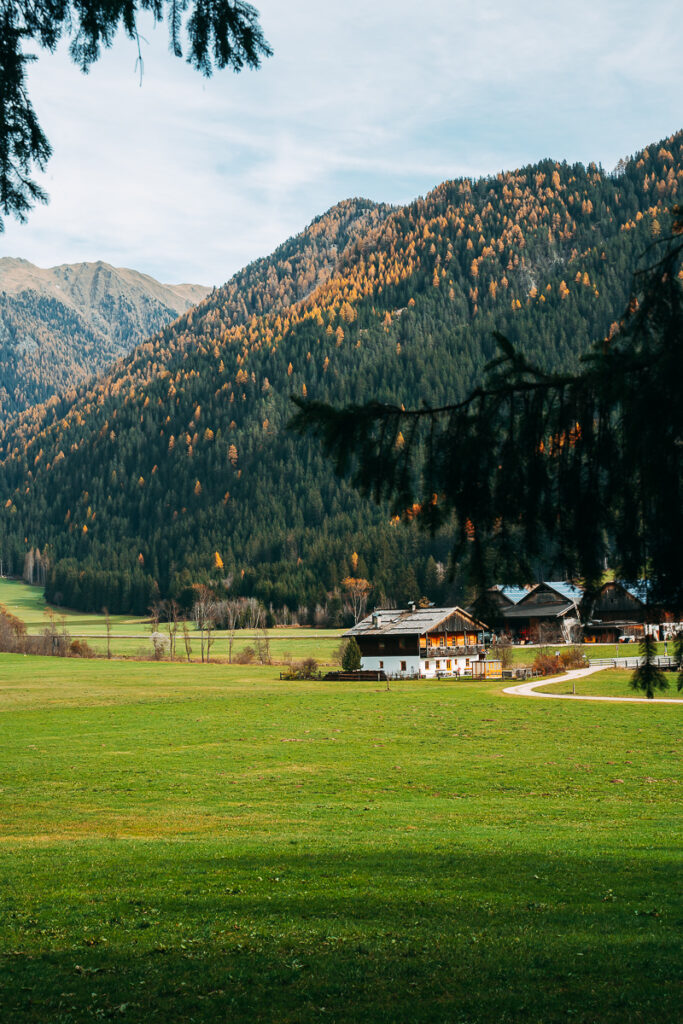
(529, 690)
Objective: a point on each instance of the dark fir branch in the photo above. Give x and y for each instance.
(587, 465)
(219, 34)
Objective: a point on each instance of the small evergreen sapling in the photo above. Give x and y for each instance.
(649, 677)
(351, 656)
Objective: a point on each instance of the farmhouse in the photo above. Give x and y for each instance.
(499, 599)
(619, 610)
(426, 642)
(549, 613)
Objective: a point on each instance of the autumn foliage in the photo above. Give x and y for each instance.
(181, 450)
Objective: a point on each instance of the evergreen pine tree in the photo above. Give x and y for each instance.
(351, 659)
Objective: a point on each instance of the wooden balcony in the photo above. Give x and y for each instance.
(468, 651)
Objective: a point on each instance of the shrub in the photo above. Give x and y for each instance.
(81, 649)
(12, 632)
(160, 644)
(245, 657)
(306, 669)
(573, 657)
(547, 664)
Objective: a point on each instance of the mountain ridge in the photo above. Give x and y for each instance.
(176, 467)
(78, 348)
(61, 325)
(18, 274)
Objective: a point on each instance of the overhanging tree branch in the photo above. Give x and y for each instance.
(570, 468)
(220, 34)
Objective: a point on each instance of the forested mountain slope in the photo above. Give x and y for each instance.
(177, 466)
(60, 326)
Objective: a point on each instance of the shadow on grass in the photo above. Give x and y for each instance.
(188, 932)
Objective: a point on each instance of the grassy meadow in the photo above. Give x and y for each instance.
(130, 635)
(200, 843)
(612, 683)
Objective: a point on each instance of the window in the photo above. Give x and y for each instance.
(426, 664)
(438, 665)
(449, 665)
(403, 666)
(381, 664)
(467, 662)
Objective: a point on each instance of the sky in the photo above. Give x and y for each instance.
(189, 179)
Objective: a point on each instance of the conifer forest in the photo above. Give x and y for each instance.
(176, 466)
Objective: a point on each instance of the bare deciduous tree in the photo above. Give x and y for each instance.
(263, 641)
(155, 611)
(232, 618)
(187, 641)
(358, 590)
(204, 614)
(172, 615)
(107, 622)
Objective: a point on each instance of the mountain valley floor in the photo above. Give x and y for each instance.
(206, 842)
(131, 635)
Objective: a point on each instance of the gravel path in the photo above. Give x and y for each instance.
(529, 690)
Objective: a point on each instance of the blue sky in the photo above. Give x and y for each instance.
(189, 179)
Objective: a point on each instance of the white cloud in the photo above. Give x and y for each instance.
(190, 179)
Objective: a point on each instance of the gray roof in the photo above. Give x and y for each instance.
(513, 594)
(397, 621)
(537, 611)
(567, 590)
(638, 590)
(517, 594)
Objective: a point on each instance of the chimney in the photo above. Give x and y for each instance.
(411, 606)
(376, 620)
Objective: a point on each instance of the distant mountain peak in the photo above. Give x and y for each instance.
(61, 325)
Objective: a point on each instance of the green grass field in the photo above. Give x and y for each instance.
(130, 636)
(200, 843)
(612, 683)
(28, 604)
(526, 655)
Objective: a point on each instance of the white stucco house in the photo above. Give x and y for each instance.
(424, 642)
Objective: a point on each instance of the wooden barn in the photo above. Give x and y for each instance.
(619, 611)
(499, 599)
(549, 613)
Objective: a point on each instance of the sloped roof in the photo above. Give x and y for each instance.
(638, 590)
(397, 621)
(513, 594)
(517, 594)
(538, 611)
(567, 590)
